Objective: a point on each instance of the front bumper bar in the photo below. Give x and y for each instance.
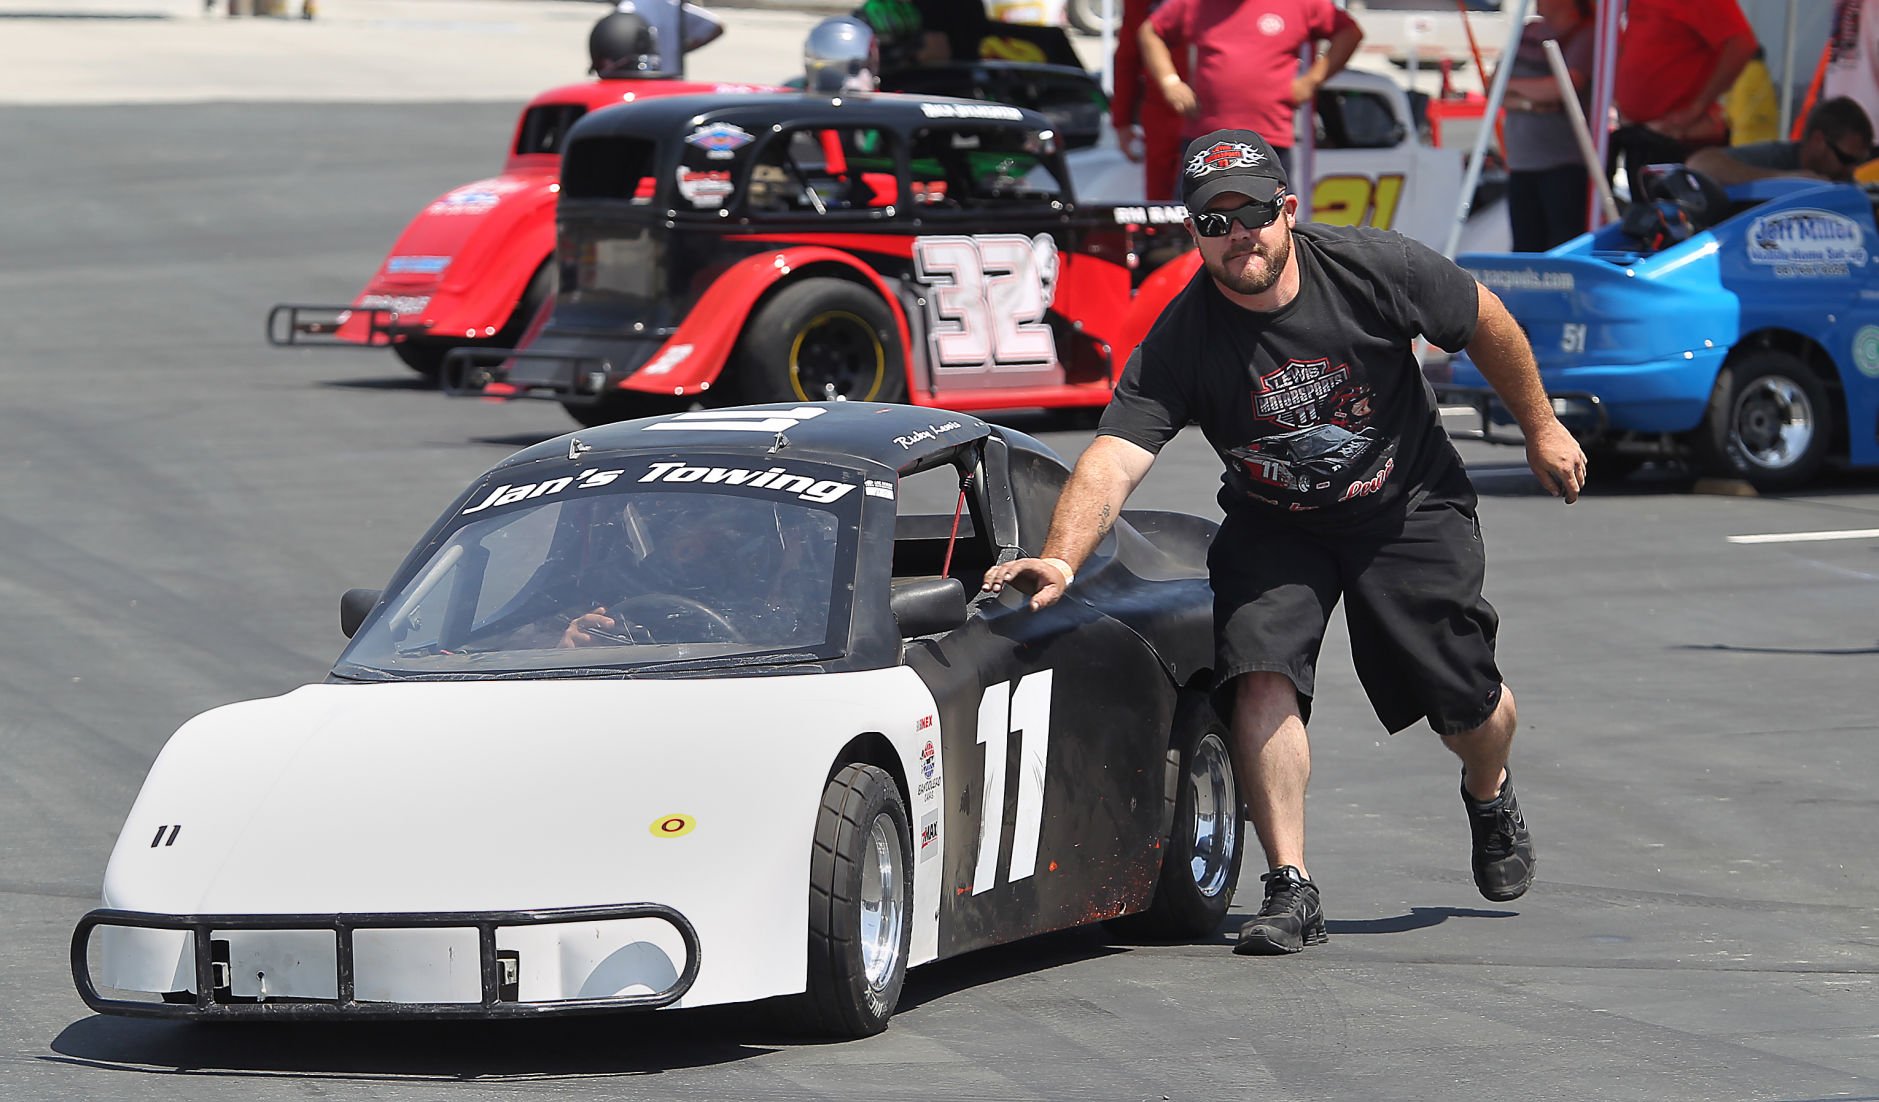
(499, 971)
(295, 324)
(1583, 415)
(523, 373)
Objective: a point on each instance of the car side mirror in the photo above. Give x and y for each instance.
(928, 606)
(354, 604)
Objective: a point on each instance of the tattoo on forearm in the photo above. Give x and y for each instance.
(1104, 522)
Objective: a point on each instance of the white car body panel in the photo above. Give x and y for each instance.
(1346, 183)
(427, 797)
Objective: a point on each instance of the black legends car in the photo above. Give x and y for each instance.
(790, 247)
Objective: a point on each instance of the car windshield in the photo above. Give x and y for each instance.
(666, 567)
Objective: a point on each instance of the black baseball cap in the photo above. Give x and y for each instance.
(1230, 160)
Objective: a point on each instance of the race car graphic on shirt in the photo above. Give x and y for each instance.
(1304, 459)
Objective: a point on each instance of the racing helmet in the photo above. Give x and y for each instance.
(841, 55)
(707, 545)
(623, 44)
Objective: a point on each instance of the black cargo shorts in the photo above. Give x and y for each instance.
(1422, 636)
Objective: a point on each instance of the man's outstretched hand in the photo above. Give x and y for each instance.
(1045, 580)
(1557, 461)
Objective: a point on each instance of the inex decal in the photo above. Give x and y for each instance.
(720, 140)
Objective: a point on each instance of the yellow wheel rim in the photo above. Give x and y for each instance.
(860, 324)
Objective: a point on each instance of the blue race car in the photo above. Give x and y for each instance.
(1737, 330)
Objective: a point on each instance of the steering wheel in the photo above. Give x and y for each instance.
(676, 601)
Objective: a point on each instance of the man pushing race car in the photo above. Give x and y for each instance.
(1293, 353)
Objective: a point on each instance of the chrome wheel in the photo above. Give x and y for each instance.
(1773, 422)
(882, 913)
(1215, 826)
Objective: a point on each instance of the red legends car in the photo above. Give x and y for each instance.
(792, 247)
(472, 268)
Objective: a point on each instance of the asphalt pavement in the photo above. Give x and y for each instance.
(183, 505)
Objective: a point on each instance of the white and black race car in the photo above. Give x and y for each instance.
(689, 710)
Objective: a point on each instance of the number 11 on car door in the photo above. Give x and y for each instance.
(1012, 710)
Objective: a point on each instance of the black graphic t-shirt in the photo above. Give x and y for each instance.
(1318, 409)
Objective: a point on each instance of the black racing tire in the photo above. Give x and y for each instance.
(425, 355)
(860, 907)
(1200, 866)
(1769, 422)
(624, 405)
(821, 339)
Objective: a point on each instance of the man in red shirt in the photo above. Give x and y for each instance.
(1245, 68)
(1675, 60)
(1149, 130)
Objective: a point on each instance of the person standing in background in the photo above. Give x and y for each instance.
(1546, 176)
(1245, 73)
(1148, 129)
(1853, 55)
(1675, 60)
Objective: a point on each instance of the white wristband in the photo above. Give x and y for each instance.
(1171, 78)
(1069, 575)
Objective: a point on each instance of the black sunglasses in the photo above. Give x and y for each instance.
(1849, 160)
(1254, 216)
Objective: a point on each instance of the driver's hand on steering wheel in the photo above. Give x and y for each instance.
(591, 629)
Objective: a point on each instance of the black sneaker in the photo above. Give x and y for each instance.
(1503, 851)
(1290, 919)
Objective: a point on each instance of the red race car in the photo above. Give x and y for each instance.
(895, 248)
(472, 268)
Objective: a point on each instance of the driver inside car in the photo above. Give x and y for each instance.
(707, 568)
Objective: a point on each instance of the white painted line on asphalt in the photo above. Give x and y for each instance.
(1808, 537)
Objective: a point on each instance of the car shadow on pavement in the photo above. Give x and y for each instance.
(1003, 962)
(564, 1048)
(411, 381)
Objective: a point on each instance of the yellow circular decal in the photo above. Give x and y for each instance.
(673, 826)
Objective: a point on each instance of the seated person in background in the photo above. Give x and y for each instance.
(1837, 139)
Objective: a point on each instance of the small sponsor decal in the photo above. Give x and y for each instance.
(1163, 215)
(1523, 279)
(923, 723)
(472, 198)
(416, 265)
(778, 479)
(405, 306)
(1222, 156)
(667, 360)
(929, 835)
(707, 188)
(1807, 243)
(672, 826)
(878, 488)
(970, 111)
(1866, 351)
(927, 763)
(931, 432)
(720, 140)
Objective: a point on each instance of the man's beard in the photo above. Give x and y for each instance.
(1230, 272)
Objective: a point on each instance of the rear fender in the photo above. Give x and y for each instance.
(1151, 298)
(694, 357)
(491, 236)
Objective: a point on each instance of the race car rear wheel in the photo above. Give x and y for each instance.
(822, 339)
(1201, 864)
(1769, 422)
(860, 906)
